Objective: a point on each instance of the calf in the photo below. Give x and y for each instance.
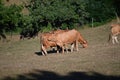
(46, 41)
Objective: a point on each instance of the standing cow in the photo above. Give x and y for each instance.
(46, 42)
(115, 31)
(61, 38)
(69, 37)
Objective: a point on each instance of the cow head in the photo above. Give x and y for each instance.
(84, 44)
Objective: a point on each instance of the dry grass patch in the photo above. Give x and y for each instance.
(100, 60)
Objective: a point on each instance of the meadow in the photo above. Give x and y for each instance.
(22, 59)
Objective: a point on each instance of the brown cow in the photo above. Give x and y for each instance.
(69, 37)
(61, 38)
(115, 31)
(46, 41)
(58, 31)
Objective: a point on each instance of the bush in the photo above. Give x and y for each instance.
(47, 29)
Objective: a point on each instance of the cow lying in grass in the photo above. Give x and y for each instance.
(115, 31)
(60, 39)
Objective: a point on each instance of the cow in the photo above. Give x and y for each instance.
(60, 39)
(69, 37)
(115, 31)
(46, 42)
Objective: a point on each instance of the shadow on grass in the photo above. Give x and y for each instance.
(50, 52)
(48, 75)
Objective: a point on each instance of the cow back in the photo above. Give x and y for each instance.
(66, 37)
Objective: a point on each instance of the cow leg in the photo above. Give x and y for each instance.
(58, 49)
(53, 48)
(116, 39)
(76, 45)
(66, 48)
(44, 52)
(60, 44)
(72, 47)
(62, 49)
(113, 39)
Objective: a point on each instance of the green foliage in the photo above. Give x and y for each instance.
(64, 14)
(26, 21)
(9, 17)
(100, 10)
(64, 26)
(58, 12)
(47, 29)
(116, 4)
(46, 15)
(96, 24)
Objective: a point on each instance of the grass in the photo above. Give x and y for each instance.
(100, 61)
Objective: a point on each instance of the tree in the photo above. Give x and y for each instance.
(100, 10)
(9, 17)
(58, 12)
(116, 4)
